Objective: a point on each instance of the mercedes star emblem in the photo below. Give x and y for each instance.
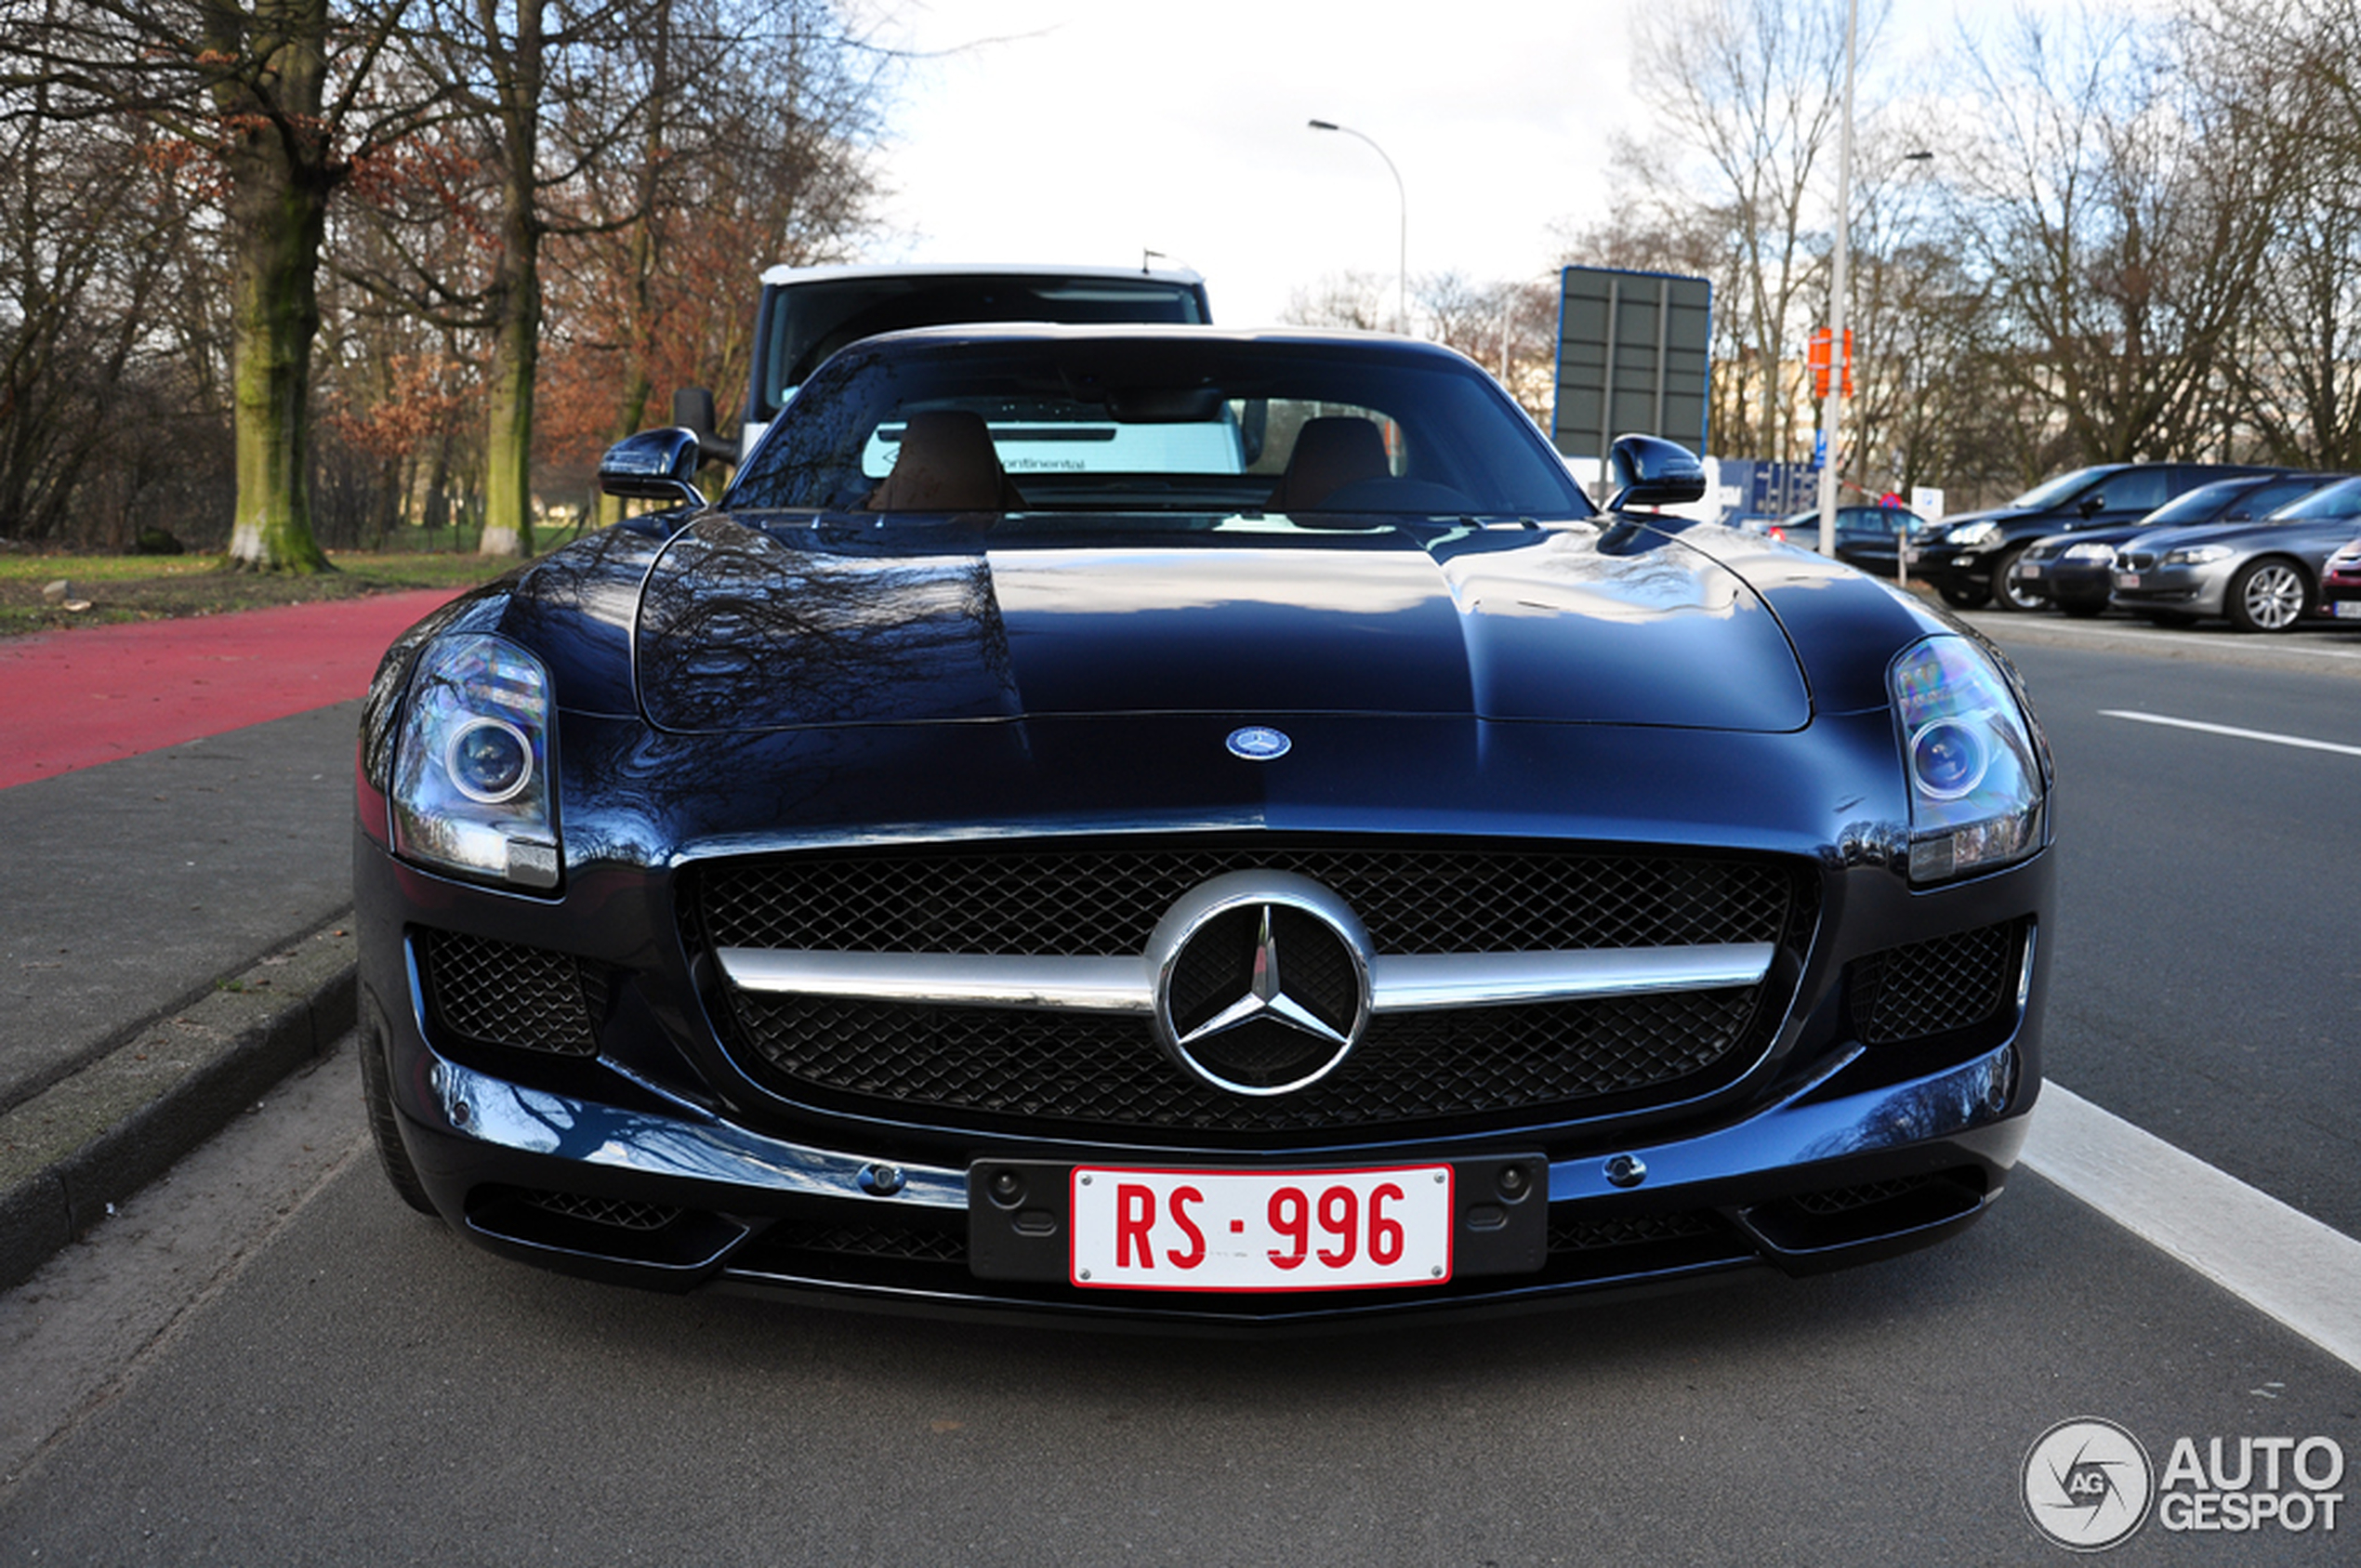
(1262, 981)
(1258, 743)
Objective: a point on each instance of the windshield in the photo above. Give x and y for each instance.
(2338, 503)
(1154, 424)
(2049, 493)
(2201, 505)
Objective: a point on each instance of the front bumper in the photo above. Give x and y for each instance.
(2067, 582)
(1841, 1173)
(2198, 590)
(1964, 571)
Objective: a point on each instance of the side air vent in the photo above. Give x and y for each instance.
(1930, 988)
(507, 993)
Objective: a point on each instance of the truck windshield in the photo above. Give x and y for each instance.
(807, 323)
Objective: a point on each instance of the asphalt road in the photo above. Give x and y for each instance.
(342, 1382)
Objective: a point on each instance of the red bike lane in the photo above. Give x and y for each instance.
(73, 698)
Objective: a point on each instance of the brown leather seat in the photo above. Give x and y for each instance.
(1330, 452)
(947, 464)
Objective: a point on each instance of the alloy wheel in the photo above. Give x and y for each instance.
(2269, 598)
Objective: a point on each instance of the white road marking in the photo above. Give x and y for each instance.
(2232, 731)
(2286, 1264)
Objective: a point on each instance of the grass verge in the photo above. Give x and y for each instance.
(138, 587)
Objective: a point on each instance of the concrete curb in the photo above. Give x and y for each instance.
(119, 1122)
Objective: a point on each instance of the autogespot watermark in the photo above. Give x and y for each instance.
(2088, 1485)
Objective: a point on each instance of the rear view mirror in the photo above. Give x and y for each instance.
(654, 465)
(1650, 472)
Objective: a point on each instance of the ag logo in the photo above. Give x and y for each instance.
(2087, 1484)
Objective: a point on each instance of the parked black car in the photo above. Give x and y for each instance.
(1967, 556)
(2076, 572)
(1864, 533)
(1186, 826)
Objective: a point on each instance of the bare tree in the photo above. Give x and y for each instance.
(281, 99)
(2123, 224)
(1753, 89)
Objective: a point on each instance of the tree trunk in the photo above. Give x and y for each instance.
(279, 187)
(516, 333)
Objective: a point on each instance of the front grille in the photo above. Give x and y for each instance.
(1108, 1072)
(1017, 1070)
(507, 993)
(2135, 560)
(1105, 902)
(1930, 988)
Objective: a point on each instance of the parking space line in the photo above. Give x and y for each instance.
(2286, 1264)
(2231, 731)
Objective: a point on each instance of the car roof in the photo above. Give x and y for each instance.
(1158, 332)
(839, 273)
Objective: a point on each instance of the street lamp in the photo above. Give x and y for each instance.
(1402, 269)
(1832, 406)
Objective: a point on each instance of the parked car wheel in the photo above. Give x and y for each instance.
(1965, 598)
(2010, 594)
(2267, 595)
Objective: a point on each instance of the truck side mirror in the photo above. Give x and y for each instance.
(692, 411)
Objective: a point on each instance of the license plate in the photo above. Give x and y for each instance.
(2127, 579)
(2026, 572)
(1315, 1230)
(2345, 609)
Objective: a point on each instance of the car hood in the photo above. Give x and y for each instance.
(766, 624)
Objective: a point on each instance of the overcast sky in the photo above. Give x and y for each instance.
(1094, 129)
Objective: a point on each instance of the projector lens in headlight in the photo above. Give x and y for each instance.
(489, 760)
(1975, 772)
(1947, 758)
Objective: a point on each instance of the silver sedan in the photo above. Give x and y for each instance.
(2261, 577)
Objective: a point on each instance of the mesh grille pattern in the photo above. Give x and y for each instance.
(1590, 1235)
(622, 1213)
(1933, 987)
(1840, 1200)
(505, 994)
(1110, 1073)
(910, 1244)
(1105, 902)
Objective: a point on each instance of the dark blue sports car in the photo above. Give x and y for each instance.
(1194, 827)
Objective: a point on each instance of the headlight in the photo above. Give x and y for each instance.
(1975, 780)
(2199, 555)
(1974, 533)
(2089, 552)
(472, 791)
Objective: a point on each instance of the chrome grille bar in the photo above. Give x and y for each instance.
(1413, 982)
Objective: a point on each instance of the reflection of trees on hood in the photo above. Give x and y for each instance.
(832, 634)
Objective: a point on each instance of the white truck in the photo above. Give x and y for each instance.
(807, 313)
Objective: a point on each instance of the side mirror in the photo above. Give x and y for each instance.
(1653, 472)
(692, 411)
(654, 465)
(2092, 505)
